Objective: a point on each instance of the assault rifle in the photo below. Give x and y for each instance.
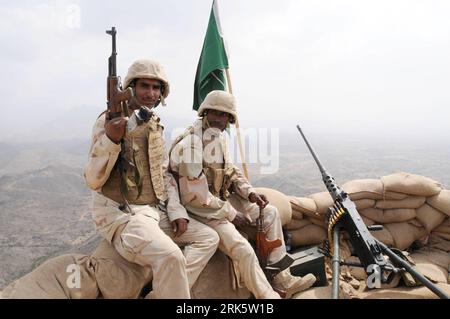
(343, 215)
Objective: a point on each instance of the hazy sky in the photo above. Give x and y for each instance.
(376, 67)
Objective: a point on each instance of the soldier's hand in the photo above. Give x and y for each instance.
(259, 199)
(115, 128)
(240, 220)
(179, 226)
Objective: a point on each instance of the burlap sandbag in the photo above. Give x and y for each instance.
(308, 235)
(394, 195)
(403, 293)
(444, 227)
(442, 235)
(429, 217)
(364, 203)
(439, 243)
(346, 291)
(218, 281)
(364, 189)
(433, 264)
(411, 184)
(415, 222)
(315, 293)
(369, 189)
(389, 215)
(318, 222)
(304, 205)
(384, 236)
(297, 224)
(296, 215)
(118, 278)
(409, 202)
(404, 234)
(441, 201)
(436, 256)
(280, 201)
(323, 201)
(69, 276)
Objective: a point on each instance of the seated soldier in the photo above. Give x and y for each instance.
(200, 160)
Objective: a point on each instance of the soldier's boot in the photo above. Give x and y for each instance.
(290, 285)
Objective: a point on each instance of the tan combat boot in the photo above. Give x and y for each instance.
(285, 282)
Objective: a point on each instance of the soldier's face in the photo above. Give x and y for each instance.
(218, 119)
(147, 91)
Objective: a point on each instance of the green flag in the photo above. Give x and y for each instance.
(213, 60)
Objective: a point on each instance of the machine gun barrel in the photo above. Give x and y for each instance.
(333, 189)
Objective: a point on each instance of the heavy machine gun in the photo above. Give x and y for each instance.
(343, 216)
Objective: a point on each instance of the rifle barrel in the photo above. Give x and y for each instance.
(112, 59)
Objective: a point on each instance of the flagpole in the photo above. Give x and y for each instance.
(238, 130)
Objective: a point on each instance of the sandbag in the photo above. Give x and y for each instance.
(297, 224)
(318, 222)
(346, 291)
(280, 201)
(384, 236)
(436, 256)
(296, 215)
(444, 227)
(411, 184)
(389, 215)
(415, 222)
(389, 195)
(304, 205)
(69, 276)
(408, 202)
(364, 189)
(308, 235)
(441, 201)
(116, 277)
(442, 235)
(439, 243)
(404, 234)
(364, 203)
(431, 266)
(421, 292)
(430, 217)
(217, 281)
(314, 293)
(323, 201)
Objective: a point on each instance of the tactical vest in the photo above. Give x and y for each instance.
(139, 168)
(220, 176)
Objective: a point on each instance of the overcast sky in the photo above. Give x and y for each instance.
(372, 67)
